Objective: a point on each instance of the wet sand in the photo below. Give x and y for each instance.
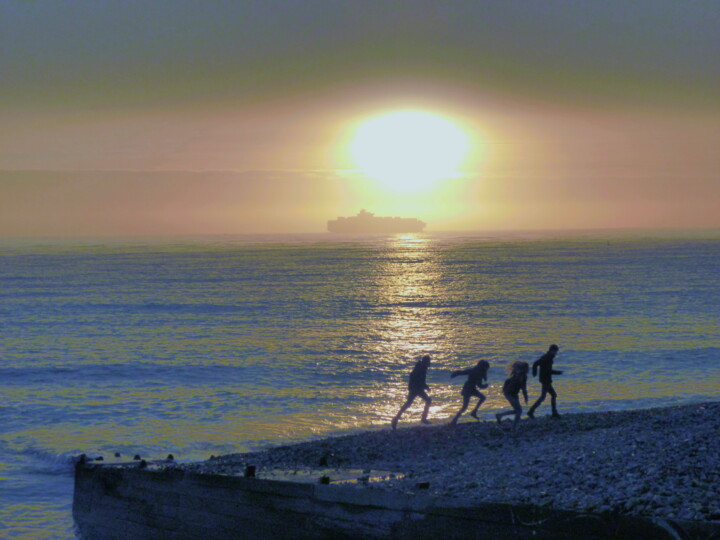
(662, 462)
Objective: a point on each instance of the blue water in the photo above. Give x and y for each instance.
(206, 346)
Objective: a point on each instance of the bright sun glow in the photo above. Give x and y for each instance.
(409, 150)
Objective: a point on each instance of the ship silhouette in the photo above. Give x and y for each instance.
(367, 222)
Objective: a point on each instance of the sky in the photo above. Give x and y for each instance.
(171, 117)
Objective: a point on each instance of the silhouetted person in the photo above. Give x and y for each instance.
(416, 387)
(476, 376)
(545, 364)
(516, 382)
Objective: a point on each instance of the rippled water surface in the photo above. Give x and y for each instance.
(207, 346)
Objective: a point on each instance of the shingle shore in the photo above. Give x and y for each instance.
(662, 462)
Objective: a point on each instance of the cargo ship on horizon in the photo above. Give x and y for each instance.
(367, 222)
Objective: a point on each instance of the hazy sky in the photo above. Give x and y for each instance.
(180, 117)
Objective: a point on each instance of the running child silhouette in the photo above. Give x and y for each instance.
(514, 384)
(417, 387)
(545, 363)
(475, 377)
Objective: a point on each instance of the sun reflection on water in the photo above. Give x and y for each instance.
(409, 283)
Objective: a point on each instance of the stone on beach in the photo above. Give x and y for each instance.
(662, 462)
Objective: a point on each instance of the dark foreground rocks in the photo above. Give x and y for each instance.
(662, 462)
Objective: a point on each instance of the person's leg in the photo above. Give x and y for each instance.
(543, 393)
(466, 401)
(408, 402)
(499, 415)
(481, 399)
(518, 412)
(553, 400)
(428, 401)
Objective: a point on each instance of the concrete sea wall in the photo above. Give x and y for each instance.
(131, 502)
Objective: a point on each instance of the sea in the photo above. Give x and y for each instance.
(204, 346)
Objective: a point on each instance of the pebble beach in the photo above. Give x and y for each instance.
(660, 462)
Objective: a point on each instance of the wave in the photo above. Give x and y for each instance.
(123, 372)
(37, 459)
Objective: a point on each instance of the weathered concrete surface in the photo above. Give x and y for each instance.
(129, 502)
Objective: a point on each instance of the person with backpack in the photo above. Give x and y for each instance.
(514, 384)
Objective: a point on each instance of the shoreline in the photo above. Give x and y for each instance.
(660, 462)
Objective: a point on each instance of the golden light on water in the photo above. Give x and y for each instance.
(421, 320)
(410, 281)
(409, 151)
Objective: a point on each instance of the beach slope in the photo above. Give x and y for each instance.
(651, 473)
(662, 462)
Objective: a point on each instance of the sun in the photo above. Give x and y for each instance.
(409, 150)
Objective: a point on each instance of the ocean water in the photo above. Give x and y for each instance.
(203, 346)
